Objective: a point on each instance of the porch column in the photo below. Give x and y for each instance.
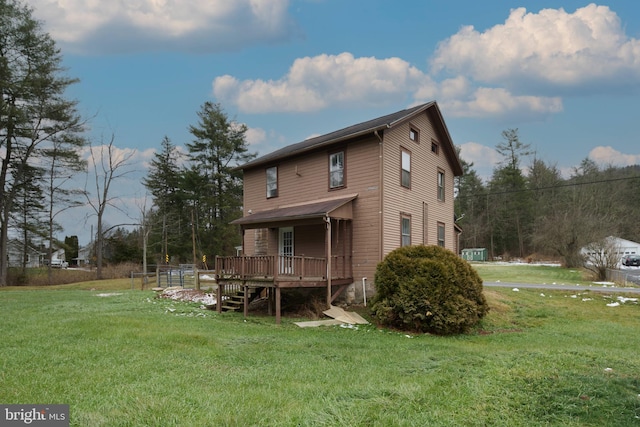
(328, 252)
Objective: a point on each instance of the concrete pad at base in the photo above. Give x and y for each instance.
(315, 323)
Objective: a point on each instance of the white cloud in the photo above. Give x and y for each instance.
(610, 156)
(314, 83)
(484, 158)
(515, 70)
(255, 136)
(552, 48)
(480, 155)
(500, 102)
(196, 25)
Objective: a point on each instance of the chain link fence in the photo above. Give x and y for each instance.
(624, 277)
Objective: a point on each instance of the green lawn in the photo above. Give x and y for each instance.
(525, 273)
(129, 359)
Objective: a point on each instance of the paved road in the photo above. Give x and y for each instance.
(594, 288)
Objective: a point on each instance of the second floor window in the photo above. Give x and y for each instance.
(405, 178)
(441, 186)
(336, 170)
(272, 182)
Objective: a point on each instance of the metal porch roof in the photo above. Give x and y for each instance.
(317, 209)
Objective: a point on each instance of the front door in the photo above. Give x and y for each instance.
(286, 250)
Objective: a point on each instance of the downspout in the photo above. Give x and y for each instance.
(380, 193)
(364, 291)
(327, 221)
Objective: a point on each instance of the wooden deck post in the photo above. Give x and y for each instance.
(219, 297)
(246, 300)
(278, 305)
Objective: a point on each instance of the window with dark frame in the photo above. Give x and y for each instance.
(441, 229)
(435, 147)
(336, 170)
(405, 230)
(441, 186)
(414, 134)
(272, 182)
(405, 178)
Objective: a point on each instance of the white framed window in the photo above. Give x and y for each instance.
(272, 182)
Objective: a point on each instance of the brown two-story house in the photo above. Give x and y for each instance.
(325, 211)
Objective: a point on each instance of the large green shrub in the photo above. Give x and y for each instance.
(428, 289)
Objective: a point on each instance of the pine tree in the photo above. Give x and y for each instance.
(215, 190)
(33, 109)
(165, 182)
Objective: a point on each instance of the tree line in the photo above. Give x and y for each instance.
(195, 194)
(522, 210)
(41, 133)
(532, 210)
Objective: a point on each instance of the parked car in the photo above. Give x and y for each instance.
(58, 263)
(630, 260)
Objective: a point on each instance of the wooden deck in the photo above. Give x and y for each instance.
(276, 272)
(283, 271)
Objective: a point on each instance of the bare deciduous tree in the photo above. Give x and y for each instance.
(108, 166)
(600, 256)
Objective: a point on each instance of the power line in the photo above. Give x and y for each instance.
(551, 187)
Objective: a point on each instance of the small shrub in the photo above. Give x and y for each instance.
(428, 289)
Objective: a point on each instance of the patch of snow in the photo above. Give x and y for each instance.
(515, 290)
(542, 295)
(623, 299)
(190, 295)
(348, 326)
(604, 283)
(613, 304)
(109, 294)
(587, 299)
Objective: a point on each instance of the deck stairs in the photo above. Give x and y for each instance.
(235, 301)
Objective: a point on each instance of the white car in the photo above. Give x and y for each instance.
(58, 263)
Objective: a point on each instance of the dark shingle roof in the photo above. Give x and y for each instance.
(353, 131)
(314, 209)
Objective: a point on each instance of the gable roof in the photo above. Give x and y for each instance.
(365, 128)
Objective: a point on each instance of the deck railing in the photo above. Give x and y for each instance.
(273, 267)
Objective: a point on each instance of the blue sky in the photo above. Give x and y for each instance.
(565, 73)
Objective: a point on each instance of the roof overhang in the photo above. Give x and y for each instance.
(339, 208)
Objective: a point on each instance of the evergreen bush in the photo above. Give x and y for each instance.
(428, 289)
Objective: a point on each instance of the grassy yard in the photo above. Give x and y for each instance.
(126, 358)
(531, 273)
